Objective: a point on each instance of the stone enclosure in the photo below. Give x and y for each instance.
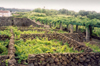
(87, 58)
(11, 21)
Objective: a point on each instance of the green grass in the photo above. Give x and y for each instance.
(93, 47)
(3, 47)
(38, 46)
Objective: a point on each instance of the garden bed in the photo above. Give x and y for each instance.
(39, 46)
(36, 48)
(72, 43)
(4, 42)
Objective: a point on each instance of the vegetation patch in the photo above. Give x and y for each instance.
(5, 32)
(17, 32)
(93, 47)
(3, 47)
(38, 46)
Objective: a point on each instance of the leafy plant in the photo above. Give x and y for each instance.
(38, 46)
(3, 47)
(5, 32)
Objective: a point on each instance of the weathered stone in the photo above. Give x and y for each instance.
(30, 64)
(64, 63)
(43, 63)
(48, 65)
(53, 64)
(56, 60)
(42, 59)
(10, 62)
(64, 58)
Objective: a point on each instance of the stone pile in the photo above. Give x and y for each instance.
(80, 37)
(74, 59)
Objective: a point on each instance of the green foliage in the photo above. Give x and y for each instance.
(3, 47)
(5, 32)
(94, 47)
(96, 32)
(38, 46)
(7, 62)
(18, 33)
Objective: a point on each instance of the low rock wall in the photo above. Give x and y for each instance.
(10, 21)
(79, 59)
(11, 51)
(80, 37)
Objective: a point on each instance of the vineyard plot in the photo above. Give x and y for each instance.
(4, 41)
(46, 45)
(40, 46)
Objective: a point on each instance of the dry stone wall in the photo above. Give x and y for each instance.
(79, 59)
(6, 21)
(9, 21)
(80, 37)
(72, 43)
(11, 51)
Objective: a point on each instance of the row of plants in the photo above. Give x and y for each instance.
(79, 20)
(5, 32)
(4, 44)
(56, 20)
(18, 32)
(40, 45)
(4, 47)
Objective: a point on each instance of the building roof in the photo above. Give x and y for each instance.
(4, 11)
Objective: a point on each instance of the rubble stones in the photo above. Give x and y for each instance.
(73, 59)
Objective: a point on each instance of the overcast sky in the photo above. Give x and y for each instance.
(76, 5)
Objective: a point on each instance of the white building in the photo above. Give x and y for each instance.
(5, 13)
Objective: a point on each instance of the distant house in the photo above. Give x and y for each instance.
(5, 13)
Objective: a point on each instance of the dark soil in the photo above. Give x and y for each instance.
(4, 37)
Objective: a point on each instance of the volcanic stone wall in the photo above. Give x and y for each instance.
(80, 37)
(9, 21)
(11, 51)
(72, 43)
(79, 59)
